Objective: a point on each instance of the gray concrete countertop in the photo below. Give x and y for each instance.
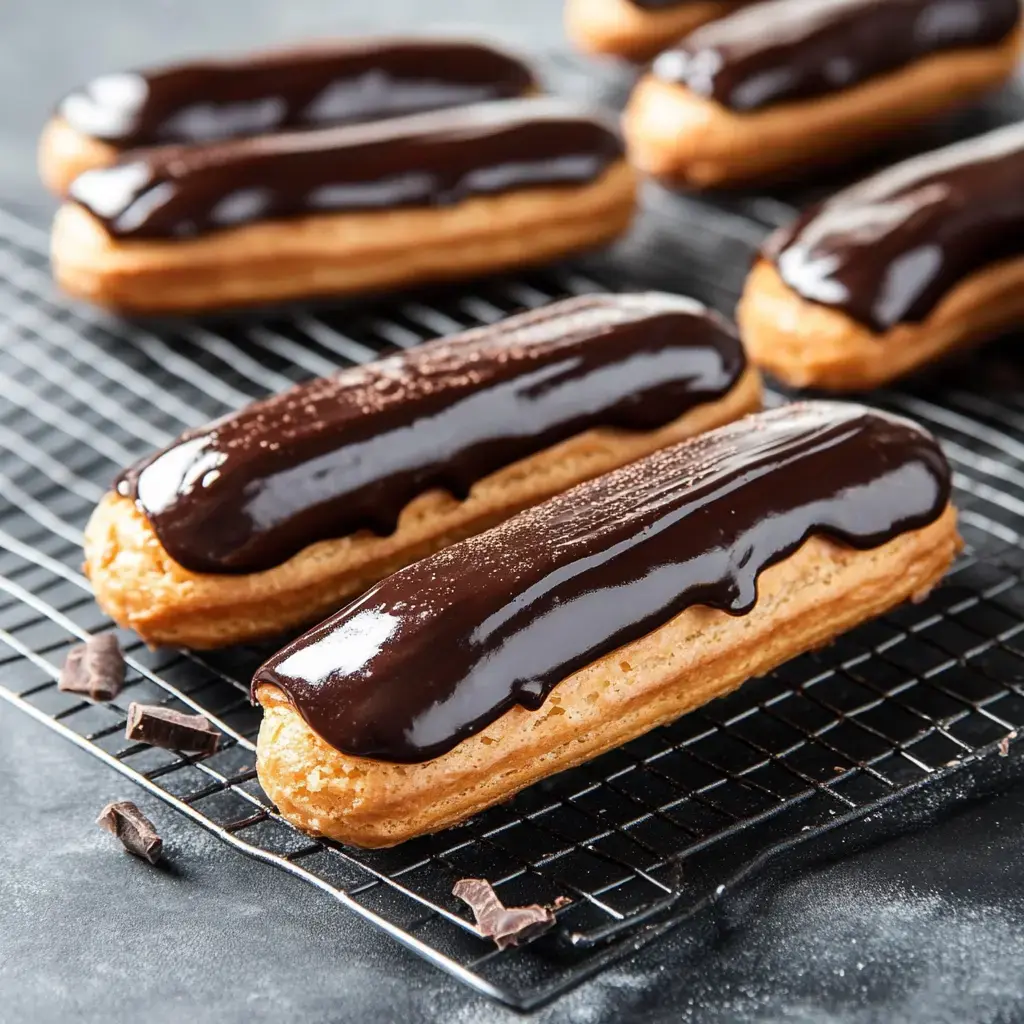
(928, 928)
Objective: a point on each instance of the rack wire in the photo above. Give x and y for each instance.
(643, 837)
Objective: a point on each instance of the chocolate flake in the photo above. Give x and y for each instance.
(94, 669)
(508, 926)
(133, 828)
(173, 730)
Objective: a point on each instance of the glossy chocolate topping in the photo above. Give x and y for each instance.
(798, 49)
(332, 84)
(887, 250)
(435, 159)
(441, 649)
(351, 451)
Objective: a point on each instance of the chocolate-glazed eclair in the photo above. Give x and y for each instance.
(638, 29)
(788, 84)
(895, 271)
(423, 198)
(341, 82)
(269, 518)
(585, 621)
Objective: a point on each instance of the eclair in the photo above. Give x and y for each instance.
(270, 518)
(430, 197)
(883, 277)
(590, 619)
(335, 83)
(785, 85)
(637, 29)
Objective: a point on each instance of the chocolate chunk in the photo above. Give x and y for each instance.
(174, 730)
(95, 668)
(508, 926)
(133, 828)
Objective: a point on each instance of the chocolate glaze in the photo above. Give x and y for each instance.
(887, 250)
(351, 451)
(336, 83)
(799, 49)
(435, 159)
(441, 649)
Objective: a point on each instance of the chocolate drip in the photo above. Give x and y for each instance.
(799, 49)
(436, 159)
(441, 649)
(888, 249)
(332, 84)
(351, 451)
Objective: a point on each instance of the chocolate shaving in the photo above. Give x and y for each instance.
(133, 828)
(94, 669)
(173, 730)
(508, 926)
(1004, 743)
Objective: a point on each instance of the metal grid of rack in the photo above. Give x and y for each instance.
(643, 836)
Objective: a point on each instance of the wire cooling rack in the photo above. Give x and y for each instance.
(641, 838)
